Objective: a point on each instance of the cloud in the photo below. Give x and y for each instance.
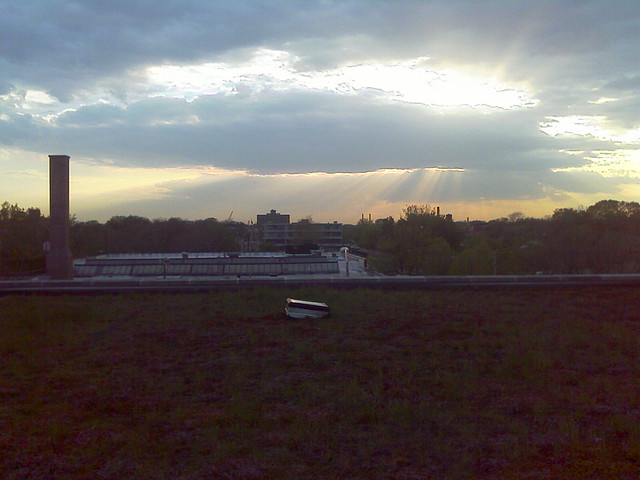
(64, 46)
(519, 98)
(295, 132)
(624, 84)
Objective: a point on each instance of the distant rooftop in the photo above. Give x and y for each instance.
(205, 264)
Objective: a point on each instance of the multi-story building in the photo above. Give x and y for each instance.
(277, 230)
(273, 217)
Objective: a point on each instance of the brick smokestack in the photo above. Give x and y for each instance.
(59, 259)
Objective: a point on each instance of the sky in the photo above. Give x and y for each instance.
(329, 109)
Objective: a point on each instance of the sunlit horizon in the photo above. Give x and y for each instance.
(100, 192)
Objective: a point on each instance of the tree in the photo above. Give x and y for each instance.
(477, 258)
(172, 235)
(515, 216)
(614, 208)
(604, 238)
(22, 234)
(212, 236)
(438, 257)
(614, 233)
(305, 232)
(365, 234)
(87, 238)
(130, 234)
(567, 241)
(421, 242)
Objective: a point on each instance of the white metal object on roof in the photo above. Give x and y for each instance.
(305, 309)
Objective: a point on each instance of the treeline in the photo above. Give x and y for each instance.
(134, 234)
(604, 238)
(24, 231)
(22, 235)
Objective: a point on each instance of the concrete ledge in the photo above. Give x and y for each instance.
(195, 284)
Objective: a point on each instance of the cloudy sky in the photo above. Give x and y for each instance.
(332, 109)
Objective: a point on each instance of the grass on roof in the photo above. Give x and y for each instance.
(447, 384)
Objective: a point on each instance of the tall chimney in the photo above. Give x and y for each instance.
(59, 259)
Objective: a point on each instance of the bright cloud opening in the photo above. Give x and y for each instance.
(610, 163)
(597, 127)
(406, 81)
(603, 100)
(39, 98)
